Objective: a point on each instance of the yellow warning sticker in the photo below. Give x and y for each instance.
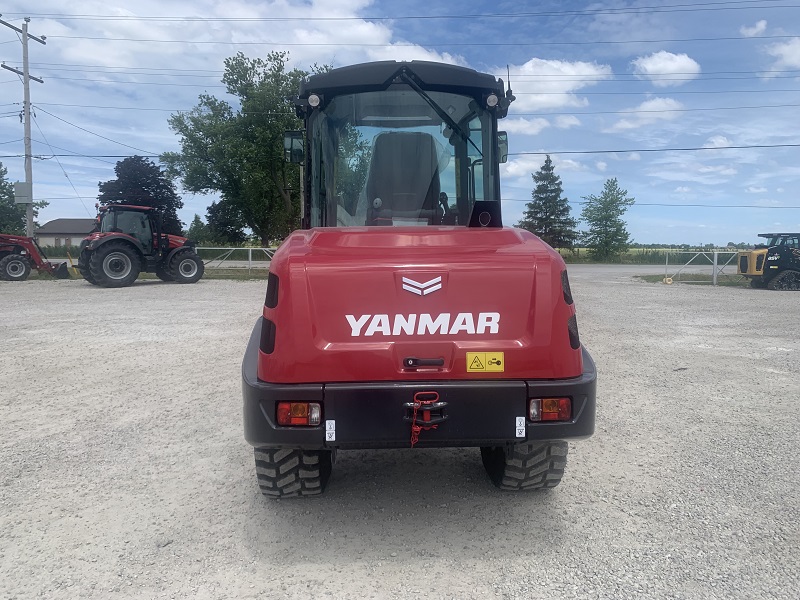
(485, 362)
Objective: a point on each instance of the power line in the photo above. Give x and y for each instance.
(91, 132)
(650, 150)
(668, 204)
(36, 121)
(692, 7)
(410, 45)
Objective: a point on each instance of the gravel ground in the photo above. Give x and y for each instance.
(124, 474)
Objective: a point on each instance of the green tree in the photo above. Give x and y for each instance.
(239, 152)
(140, 181)
(548, 213)
(198, 231)
(12, 216)
(226, 224)
(607, 238)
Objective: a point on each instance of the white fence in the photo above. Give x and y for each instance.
(688, 266)
(236, 258)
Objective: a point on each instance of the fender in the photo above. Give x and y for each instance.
(113, 237)
(174, 251)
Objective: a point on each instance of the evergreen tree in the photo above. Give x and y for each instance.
(548, 213)
(140, 181)
(607, 237)
(198, 231)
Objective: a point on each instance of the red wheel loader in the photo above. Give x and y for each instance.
(19, 254)
(403, 314)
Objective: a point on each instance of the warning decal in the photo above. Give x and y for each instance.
(485, 362)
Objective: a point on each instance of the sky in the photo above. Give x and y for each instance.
(692, 106)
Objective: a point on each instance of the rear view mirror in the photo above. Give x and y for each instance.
(502, 146)
(293, 147)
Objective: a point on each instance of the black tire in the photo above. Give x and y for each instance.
(785, 281)
(164, 274)
(527, 466)
(114, 265)
(284, 473)
(757, 283)
(83, 268)
(14, 267)
(186, 267)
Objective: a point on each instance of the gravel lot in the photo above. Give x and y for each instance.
(124, 474)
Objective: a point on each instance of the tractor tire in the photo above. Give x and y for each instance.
(787, 280)
(114, 265)
(83, 268)
(757, 283)
(526, 466)
(14, 267)
(186, 267)
(285, 473)
(164, 274)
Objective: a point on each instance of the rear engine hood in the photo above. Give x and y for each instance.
(378, 304)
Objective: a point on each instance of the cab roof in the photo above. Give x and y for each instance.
(771, 235)
(125, 207)
(374, 76)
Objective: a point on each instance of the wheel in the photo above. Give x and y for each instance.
(163, 274)
(14, 267)
(527, 466)
(83, 267)
(114, 264)
(186, 267)
(787, 280)
(284, 473)
(757, 283)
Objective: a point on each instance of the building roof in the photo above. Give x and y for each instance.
(66, 227)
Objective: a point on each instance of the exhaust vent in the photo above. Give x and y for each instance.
(572, 327)
(565, 288)
(271, 300)
(267, 336)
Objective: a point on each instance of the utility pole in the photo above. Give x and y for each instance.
(26, 111)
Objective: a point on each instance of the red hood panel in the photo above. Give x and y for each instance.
(354, 304)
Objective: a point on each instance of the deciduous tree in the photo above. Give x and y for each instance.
(12, 216)
(238, 151)
(140, 181)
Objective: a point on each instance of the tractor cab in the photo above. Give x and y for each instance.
(400, 144)
(136, 221)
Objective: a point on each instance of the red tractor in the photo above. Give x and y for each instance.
(128, 240)
(405, 314)
(18, 254)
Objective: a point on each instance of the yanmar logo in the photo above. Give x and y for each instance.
(424, 324)
(422, 289)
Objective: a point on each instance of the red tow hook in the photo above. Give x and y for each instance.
(423, 401)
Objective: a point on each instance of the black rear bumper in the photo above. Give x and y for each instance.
(377, 414)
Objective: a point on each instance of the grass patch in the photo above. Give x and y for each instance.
(699, 279)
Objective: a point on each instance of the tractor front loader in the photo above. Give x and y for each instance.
(19, 254)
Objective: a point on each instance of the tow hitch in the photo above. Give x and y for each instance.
(425, 412)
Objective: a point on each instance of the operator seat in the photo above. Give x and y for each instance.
(403, 180)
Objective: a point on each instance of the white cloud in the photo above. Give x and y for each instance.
(542, 83)
(682, 189)
(666, 69)
(787, 54)
(601, 166)
(717, 141)
(649, 112)
(755, 30)
(755, 190)
(567, 121)
(525, 126)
